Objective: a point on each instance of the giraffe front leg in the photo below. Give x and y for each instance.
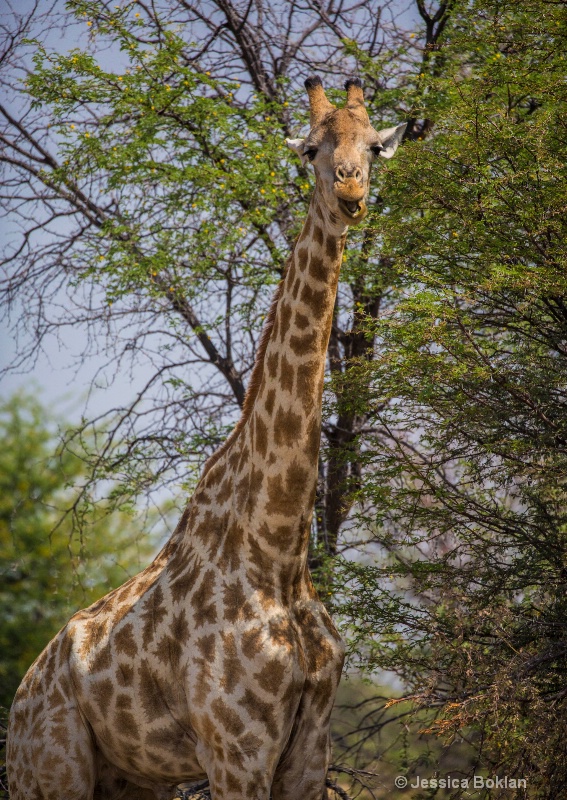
(234, 777)
(227, 784)
(50, 751)
(303, 768)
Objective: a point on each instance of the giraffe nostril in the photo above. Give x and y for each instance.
(344, 172)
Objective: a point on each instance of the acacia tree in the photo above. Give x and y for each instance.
(465, 490)
(157, 205)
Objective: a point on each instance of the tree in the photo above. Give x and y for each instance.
(155, 196)
(444, 422)
(156, 206)
(465, 492)
(48, 571)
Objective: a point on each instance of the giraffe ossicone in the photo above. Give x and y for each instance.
(218, 660)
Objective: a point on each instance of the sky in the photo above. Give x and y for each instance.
(58, 377)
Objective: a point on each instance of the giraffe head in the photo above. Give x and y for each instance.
(342, 145)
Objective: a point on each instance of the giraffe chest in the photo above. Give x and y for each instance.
(257, 680)
(152, 701)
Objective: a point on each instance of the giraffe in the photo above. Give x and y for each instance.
(218, 660)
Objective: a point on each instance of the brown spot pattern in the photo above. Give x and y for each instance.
(124, 641)
(332, 249)
(307, 375)
(281, 633)
(270, 400)
(204, 608)
(301, 345)
(150, 693)
(228, 718)
(125, 724)
(278, 536)
(172, 739)
(102, 692)
(260, 711)
(154, 611)
(286, 375)
(232, 783)
(318, 269)
(235, 603)
(206, 646)
(315, 300)
(55, 698)
(272, 362)
(125, 674)
(252, 642)
(302, 259)
(233, 670)
(285, 319)
(95, 633)
(287, 427)
(261, 436)
(123, 701)
(102, 660)
(270, 677)
(231, 548)
(313, 439)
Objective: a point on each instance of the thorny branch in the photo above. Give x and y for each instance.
(199, 367)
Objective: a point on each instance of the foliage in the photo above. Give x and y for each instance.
(464, 493)
(377, 737)
(161, 203)
(144, 166)
(4, 795)
(163, 160)
(187, 181)
(46, 570)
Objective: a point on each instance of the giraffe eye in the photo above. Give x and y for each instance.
(311, 152)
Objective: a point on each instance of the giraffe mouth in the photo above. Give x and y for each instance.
(353, 210)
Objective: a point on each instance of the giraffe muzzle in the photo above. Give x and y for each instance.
(353, 210)
(350, 197)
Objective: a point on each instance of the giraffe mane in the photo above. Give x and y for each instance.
(255, 377)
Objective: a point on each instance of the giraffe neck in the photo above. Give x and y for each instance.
(262, 481)
(283, 424)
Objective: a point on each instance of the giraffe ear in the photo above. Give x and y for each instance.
(390, 139)
(297, 146)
